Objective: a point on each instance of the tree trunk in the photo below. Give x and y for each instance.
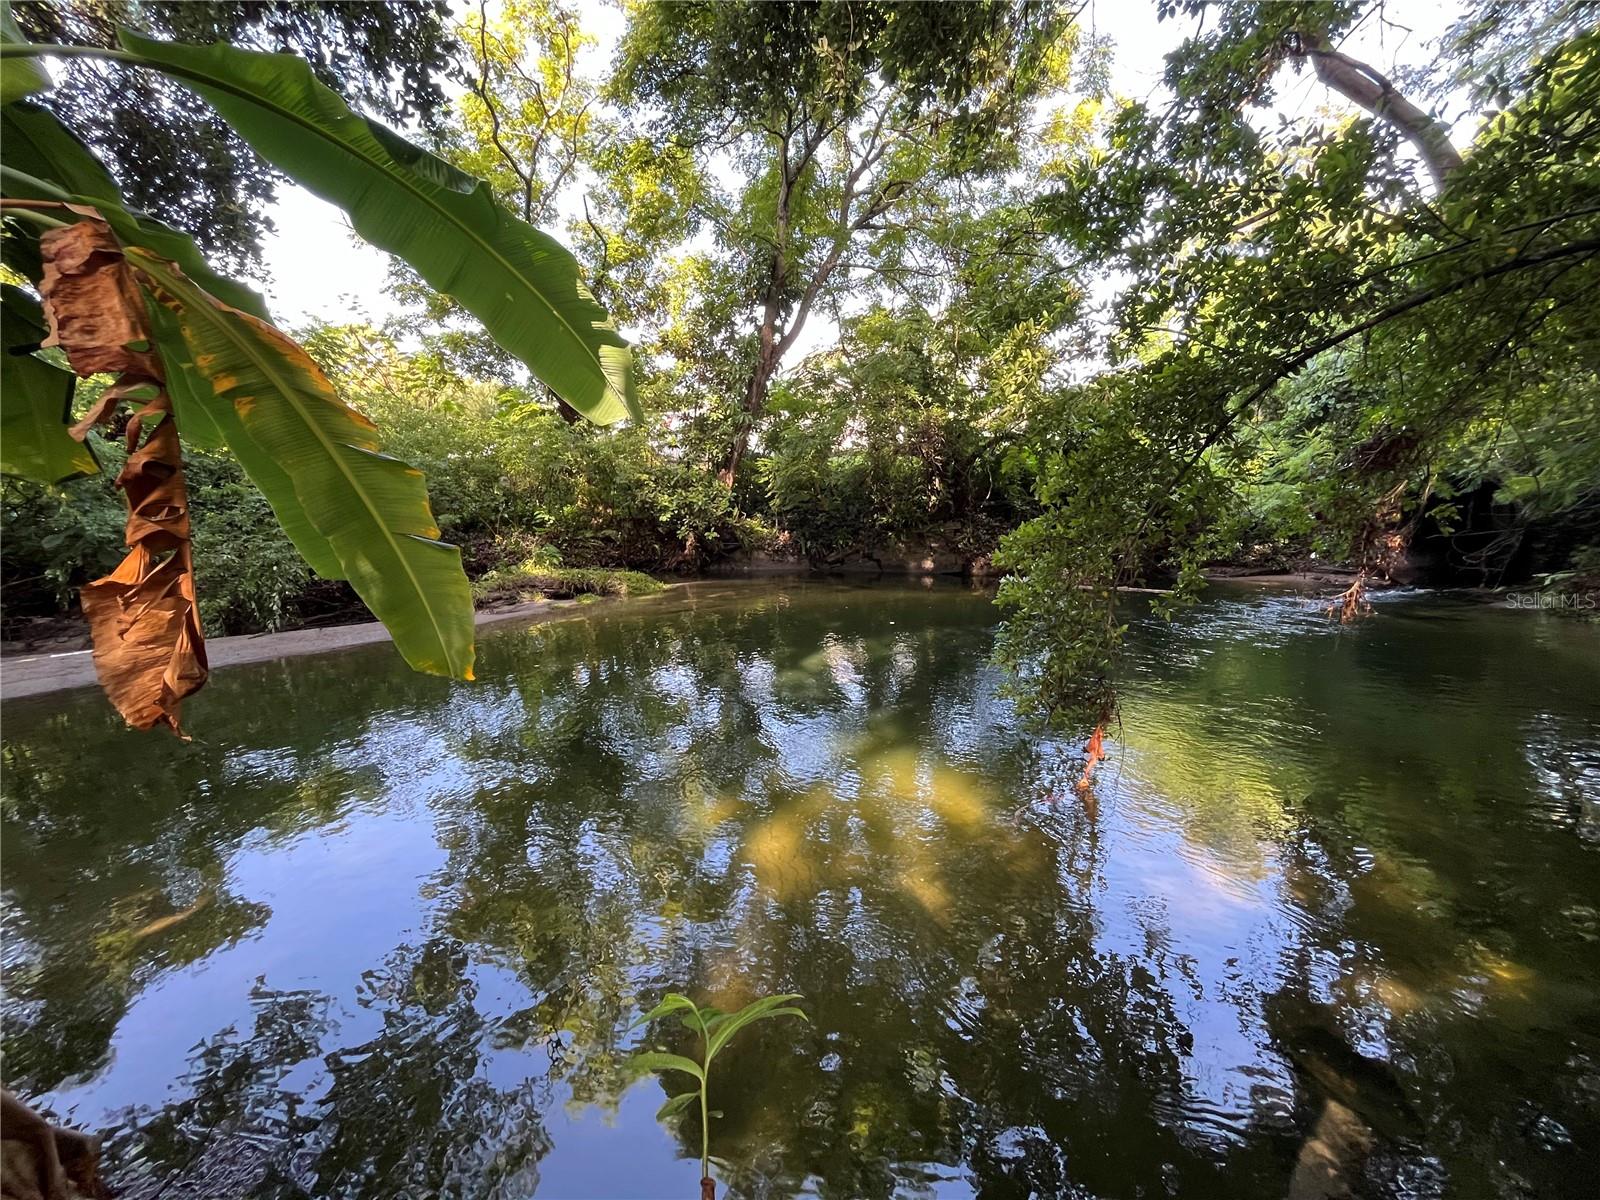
(729, 469)
(773, 343)
(1363, 85)
(766, 365)
(755, 403)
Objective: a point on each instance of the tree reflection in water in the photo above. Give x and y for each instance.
(432, 912)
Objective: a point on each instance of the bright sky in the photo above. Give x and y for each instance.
(319, 269)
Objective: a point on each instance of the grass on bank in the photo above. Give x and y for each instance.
(532, 580)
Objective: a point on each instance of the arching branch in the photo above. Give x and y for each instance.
(1358, 82)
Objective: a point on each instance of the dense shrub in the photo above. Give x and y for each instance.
(56, 540)
(532, 580)
(247, 573)
(864, 452)
(869, 449)
(502, 463)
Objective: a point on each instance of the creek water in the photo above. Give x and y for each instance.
(1329, 918)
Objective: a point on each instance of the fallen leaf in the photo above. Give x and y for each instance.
(1096, 751)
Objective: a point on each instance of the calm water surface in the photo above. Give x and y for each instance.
(1334, 905)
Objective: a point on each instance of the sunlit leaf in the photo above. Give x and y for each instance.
(521, 283)
(670, 1003)
(210, 424)
(18, 77)
(372, 509)
(759, 1010)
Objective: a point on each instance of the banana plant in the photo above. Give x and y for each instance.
(194, 354)
(716, 1030)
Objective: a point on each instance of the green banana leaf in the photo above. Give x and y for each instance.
(44, 161)
(38, 144)
(209, 423)
(18, 77)
(372, 509)
(35, 400)
(521, 283)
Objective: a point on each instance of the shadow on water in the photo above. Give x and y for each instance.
(1332, 926)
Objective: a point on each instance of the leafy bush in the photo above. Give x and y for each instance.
(865, 450)
(503, 464)
(532, 581)
(248, 575)
(876, 447)
(57, 539)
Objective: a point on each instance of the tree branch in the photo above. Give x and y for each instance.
(1362, 84)
(482, 91)
(1301, 358)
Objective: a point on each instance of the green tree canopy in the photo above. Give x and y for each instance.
(836, 119)
(169, 151)
(1454, 295)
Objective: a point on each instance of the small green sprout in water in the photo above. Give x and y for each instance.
(716, 1029)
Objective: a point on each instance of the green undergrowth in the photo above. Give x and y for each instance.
(532, 581)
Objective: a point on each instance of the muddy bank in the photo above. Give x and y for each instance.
(38, 674)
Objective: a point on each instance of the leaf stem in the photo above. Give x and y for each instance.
(705, 1081)
(25, 210)
(51, 50)
(705, 1123)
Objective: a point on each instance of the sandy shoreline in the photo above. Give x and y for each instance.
(41, 674)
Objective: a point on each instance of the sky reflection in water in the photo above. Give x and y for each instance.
(380, 935)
